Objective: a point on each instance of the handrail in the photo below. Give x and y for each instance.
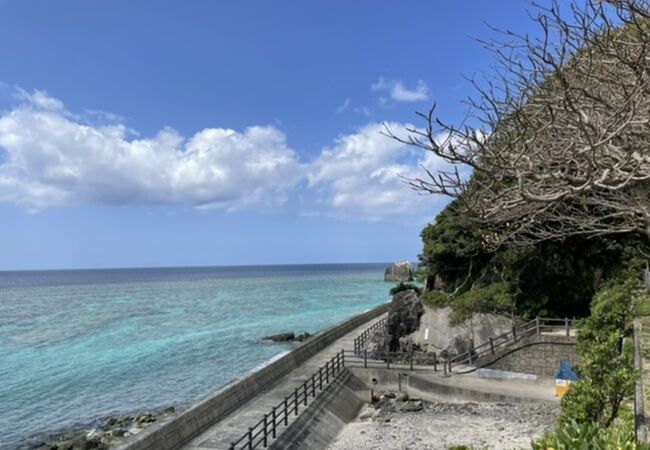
(267, 428)
(535, 326)
(360, 341)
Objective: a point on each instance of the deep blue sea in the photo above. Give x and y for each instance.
(76, 346)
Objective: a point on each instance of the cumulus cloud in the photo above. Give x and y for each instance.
(399, 92)
(51, 158)
(362, 175)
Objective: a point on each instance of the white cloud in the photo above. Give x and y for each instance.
(51, 158)
(361, 175)
(399, 92)
(344, 106)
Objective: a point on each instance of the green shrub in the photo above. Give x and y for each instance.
(588, 436)
(405, 287)
(436, 299)
(606, 368)
(494, 298)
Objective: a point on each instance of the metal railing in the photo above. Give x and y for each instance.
(536, 326)
(412, 360)
(361, 340)
(266, 429)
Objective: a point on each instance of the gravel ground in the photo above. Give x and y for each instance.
(399, 425)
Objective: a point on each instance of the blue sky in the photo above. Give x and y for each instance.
(174, 133)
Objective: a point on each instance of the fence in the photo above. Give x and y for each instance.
(536, 326)
(369, 359)
(361, 340)
(267, 428)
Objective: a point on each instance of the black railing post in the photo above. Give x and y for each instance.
(320, 378)
(411, 359)
(295, 405)
(266, 418)
(566, 325)
(232, 446)
(286, 411)
(275, 416)
(305, 391)
(365, 358)
(492, 345)
(514, 334)
(313, 386)
(342, 357)
(435, 362)
(250, 438)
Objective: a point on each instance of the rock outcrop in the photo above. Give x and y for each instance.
(284, 337)
(113, 431)
(399, 271)
(403, 319)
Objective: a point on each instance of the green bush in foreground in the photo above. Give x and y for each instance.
(594, 411)
(588, 436)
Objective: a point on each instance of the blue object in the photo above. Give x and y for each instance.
(566, 372)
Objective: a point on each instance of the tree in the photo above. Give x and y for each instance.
(558, 139)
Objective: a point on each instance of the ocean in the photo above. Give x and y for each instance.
(78, 345)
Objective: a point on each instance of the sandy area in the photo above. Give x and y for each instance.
(440, 425)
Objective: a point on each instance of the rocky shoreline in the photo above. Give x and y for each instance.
(109, 432)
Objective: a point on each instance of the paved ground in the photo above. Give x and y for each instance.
(220, 435)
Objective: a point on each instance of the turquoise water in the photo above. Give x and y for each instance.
(78, 345)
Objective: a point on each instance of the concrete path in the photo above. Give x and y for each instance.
(220, 435)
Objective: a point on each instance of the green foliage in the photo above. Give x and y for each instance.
(496, 297)
(606, 368)
(588, 436)
(436, 299)
(554, 278)
(405, 287)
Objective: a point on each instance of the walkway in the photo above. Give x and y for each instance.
(220, 435)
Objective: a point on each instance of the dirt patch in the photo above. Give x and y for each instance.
(440, 425)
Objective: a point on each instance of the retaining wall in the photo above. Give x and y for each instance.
(538, 355)
(177, 431)
(318, 425)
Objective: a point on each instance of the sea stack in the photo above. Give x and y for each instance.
(399, 271)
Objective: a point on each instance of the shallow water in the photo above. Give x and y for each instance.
(79, 345)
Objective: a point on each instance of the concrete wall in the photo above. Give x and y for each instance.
(433, 389)
(318, 425)
(178, 430)
(536, 355)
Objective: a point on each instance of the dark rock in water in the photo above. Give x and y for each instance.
(282, 337)
(112, 432)
(302, 337)
(399, 271)
(285, 337)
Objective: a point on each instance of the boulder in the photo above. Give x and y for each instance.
(282, 337)
(399, 271)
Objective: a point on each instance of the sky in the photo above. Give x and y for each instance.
(189, 133)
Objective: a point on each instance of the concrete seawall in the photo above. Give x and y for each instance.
(179, 430)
